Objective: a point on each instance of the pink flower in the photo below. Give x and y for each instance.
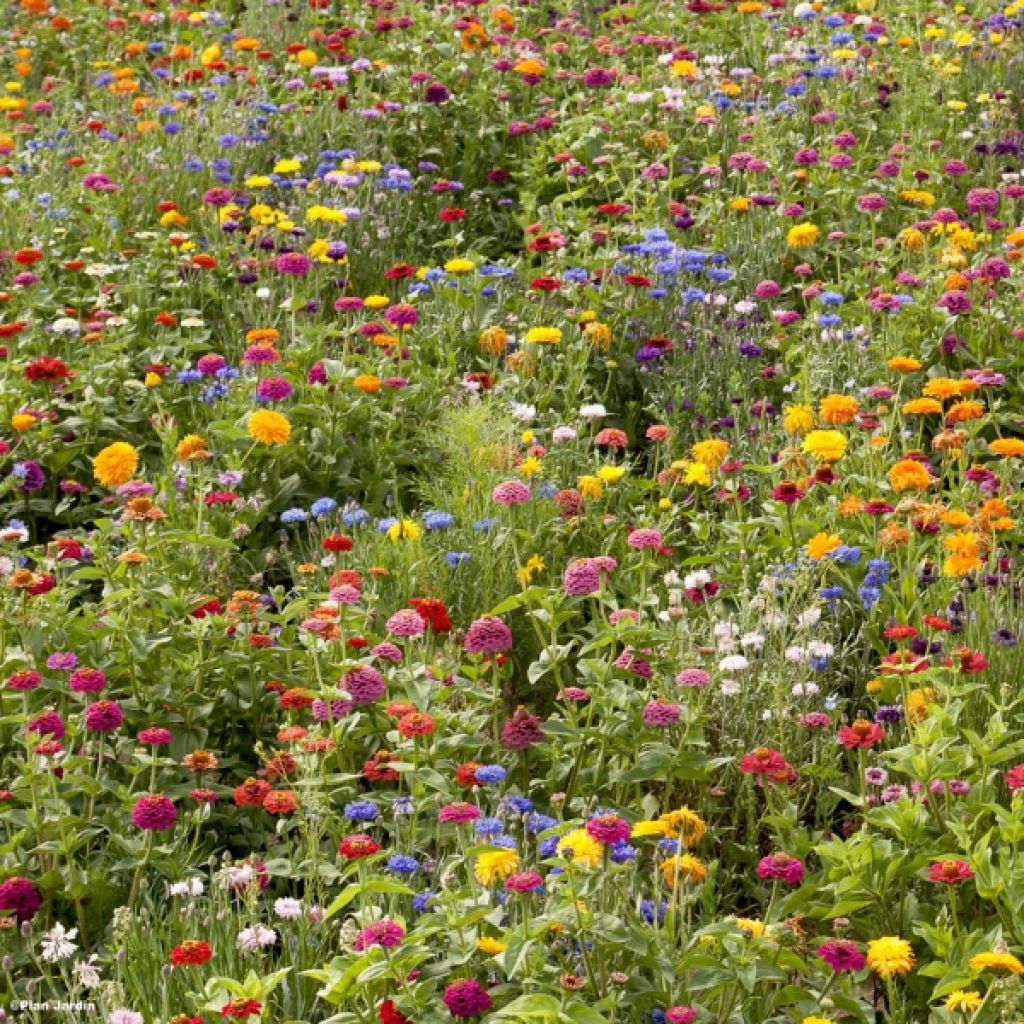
(511, 492)
(841, 955)
(781, 867)
(949, 872)
(154, 813)
(488, 635)
(385, 933)
(609, 829)
(680, 1015)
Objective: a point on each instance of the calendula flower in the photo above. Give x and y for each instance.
(798, 419)
(544, 335)
(963, 1002)
(115, 464)
(821, 545)
(802, 236)
(495, 866)
(581, 849)
(683, 868)
(997, 962)
(909, 475)
(825, 445)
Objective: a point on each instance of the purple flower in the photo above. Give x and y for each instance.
(364, 684)
(661, 713)
(841, 955)
(292, 264)
(488, 635)
(20, 896)
(154, 813)
(467, 998)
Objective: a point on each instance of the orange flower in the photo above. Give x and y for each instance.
(836, 409)
(909, 475)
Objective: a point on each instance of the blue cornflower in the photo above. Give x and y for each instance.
(540, 823)
(293, 515)
(490, 773)
(403, 864)
(438, 520)
(457, 558)
(422, 900)
(361, 810)
(322, 507)
(488, 826)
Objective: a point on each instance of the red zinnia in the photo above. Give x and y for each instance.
(251, 793)
(433, 612)
(861, 735)
(358, 845)
(240, 1009)
(337, 542)
(950, 872)
(390, 1015)
(191, 952)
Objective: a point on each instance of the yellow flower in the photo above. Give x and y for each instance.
(116, 464)
(530, 466)
(710, 453)
(534, 565)
(822, 544)
(684, 69)
(404, 529)
(683, 868)
(963, 1002)
(825, 445)
(997, 962)
(269, 427)
(695, 474)
(797, 419)
(581, 849)
(802, 236)
(152, 380)
(836, 409)
(376, 301)
(922, 407)
(287, 166)
(22, 421)
(590, 486)
(963, 554)
(192, 446)
(685, 824)
(599, 335)
(753, 927)
(493, 340)
(543, 335)
(642, 829)
(495, 866)
(611, 474)
(367, 383)
(909, 475)
(1007, 447)
(459, 266)
(904, 364)
(889, 956)
(492, 947)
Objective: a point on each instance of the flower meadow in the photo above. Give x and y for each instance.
(509, 511)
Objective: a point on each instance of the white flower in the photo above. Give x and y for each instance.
(820, 649)
(697, 581)
(671, 578)
(288, 909)
(755, 641)
(87, 973)
(766, 715)
(562, 434)
(65, 325)
(721, 629)
(810, 617)
(256, 938)
(733, 663)
(795, 655)
(806, 689)
(188, 887)
(522, 412)
(594, 411)
(57, 944)
(730, 687)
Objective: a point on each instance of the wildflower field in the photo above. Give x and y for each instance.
(509, 511)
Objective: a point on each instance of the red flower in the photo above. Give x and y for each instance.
(949, 872)
(766, 763)
(378, 768)
(942, 625)
(1014, 778)
(336, 542)
(357, 846)
(191, 952)
(240, 1009)
(861, 735)
(465, 774)
(251, 793)
(416, 723)
(900, 632)
(390, 1015)
(433, 612)
(280, 801)
(47, 368)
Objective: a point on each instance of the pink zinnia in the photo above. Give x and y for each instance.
(488, 635)
(781, 867)
(661, 713)
(581, 577)
(523, 881)
(693, 677)
(458, 813)
(385, 933)
(467, 998)
(87, 680)
(155, 736)
(293, 264)
(20, 896)
(522, 730)
(680, 1015)
(608, 829)
(24, 680)
(1014, 778)
(841, 955)
(103, 716)
(406, 622)
(364, 684)
(949, 872)
(511, 492)
(644, 539)
(154, 813)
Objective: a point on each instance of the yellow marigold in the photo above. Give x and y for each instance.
(963, 556)
(544, 335)
(493, 340)
(404, 529)
(581, 848)
(192, 446)
(590, 486)
(262, 336)
(683, 868)
(998, 962)
(710, 453)
(684, 69)
(797, 419)
(825, 445)
(822, 544)
(889, 956)
(492, 947)
(922, 407)
(116, 464)
(909, 475)
(495, 866)
(963, 1002)
(904, 364)
(836, 409)
(802, 236)
(367, 383)
(1007, 447)
(269, 427)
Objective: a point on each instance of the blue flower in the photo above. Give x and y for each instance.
(548, 847)
(488, 826)
(354, 516)
(293, 515)
(623, 853)
(490, 773)
(361, 810)
(517, 804)
(438, 520)
(385, 524)
(403, 864)
(422, 900)
(457, 558)
(540, 823)
(322, 507)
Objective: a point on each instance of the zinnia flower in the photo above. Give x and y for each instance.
(269, 427)
(115, 464)
(890, 956)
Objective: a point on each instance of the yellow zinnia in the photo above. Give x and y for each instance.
(802, 236)
(889, 956)
(495, 866)
(116, 464)
(825, 445)
(683, 868)
(797, 419)
(581, 849)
